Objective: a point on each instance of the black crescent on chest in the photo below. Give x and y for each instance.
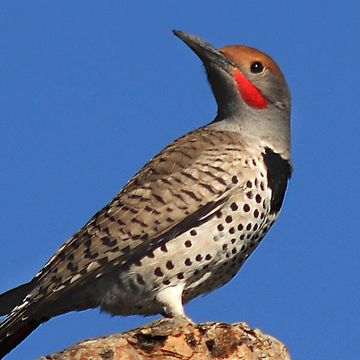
(278, 173)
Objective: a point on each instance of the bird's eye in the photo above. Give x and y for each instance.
(256, 67)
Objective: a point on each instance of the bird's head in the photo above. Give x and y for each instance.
(250, 90)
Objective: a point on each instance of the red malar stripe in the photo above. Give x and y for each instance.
(251, 94)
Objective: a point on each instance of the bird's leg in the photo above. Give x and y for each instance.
(170, 299)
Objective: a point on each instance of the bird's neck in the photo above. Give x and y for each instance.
(261, 129)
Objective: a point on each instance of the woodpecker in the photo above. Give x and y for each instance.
(187, 222)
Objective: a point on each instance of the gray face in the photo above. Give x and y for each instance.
(272, 87)
(270, 124)
(251, 92)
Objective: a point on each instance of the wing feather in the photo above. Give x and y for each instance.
(180, 188)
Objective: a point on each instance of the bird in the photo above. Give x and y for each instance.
(188, 220)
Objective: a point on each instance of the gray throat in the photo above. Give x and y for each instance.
(271, 127)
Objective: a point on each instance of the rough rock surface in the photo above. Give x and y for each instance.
(165, 339)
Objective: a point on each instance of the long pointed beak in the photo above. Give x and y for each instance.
(206, 52)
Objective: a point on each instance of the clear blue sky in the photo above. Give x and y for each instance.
(90, 90)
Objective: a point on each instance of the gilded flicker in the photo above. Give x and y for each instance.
(186, 223)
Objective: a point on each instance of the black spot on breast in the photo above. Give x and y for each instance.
(278, 173)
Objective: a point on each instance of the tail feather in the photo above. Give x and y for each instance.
(14, 297)
(16, 327)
